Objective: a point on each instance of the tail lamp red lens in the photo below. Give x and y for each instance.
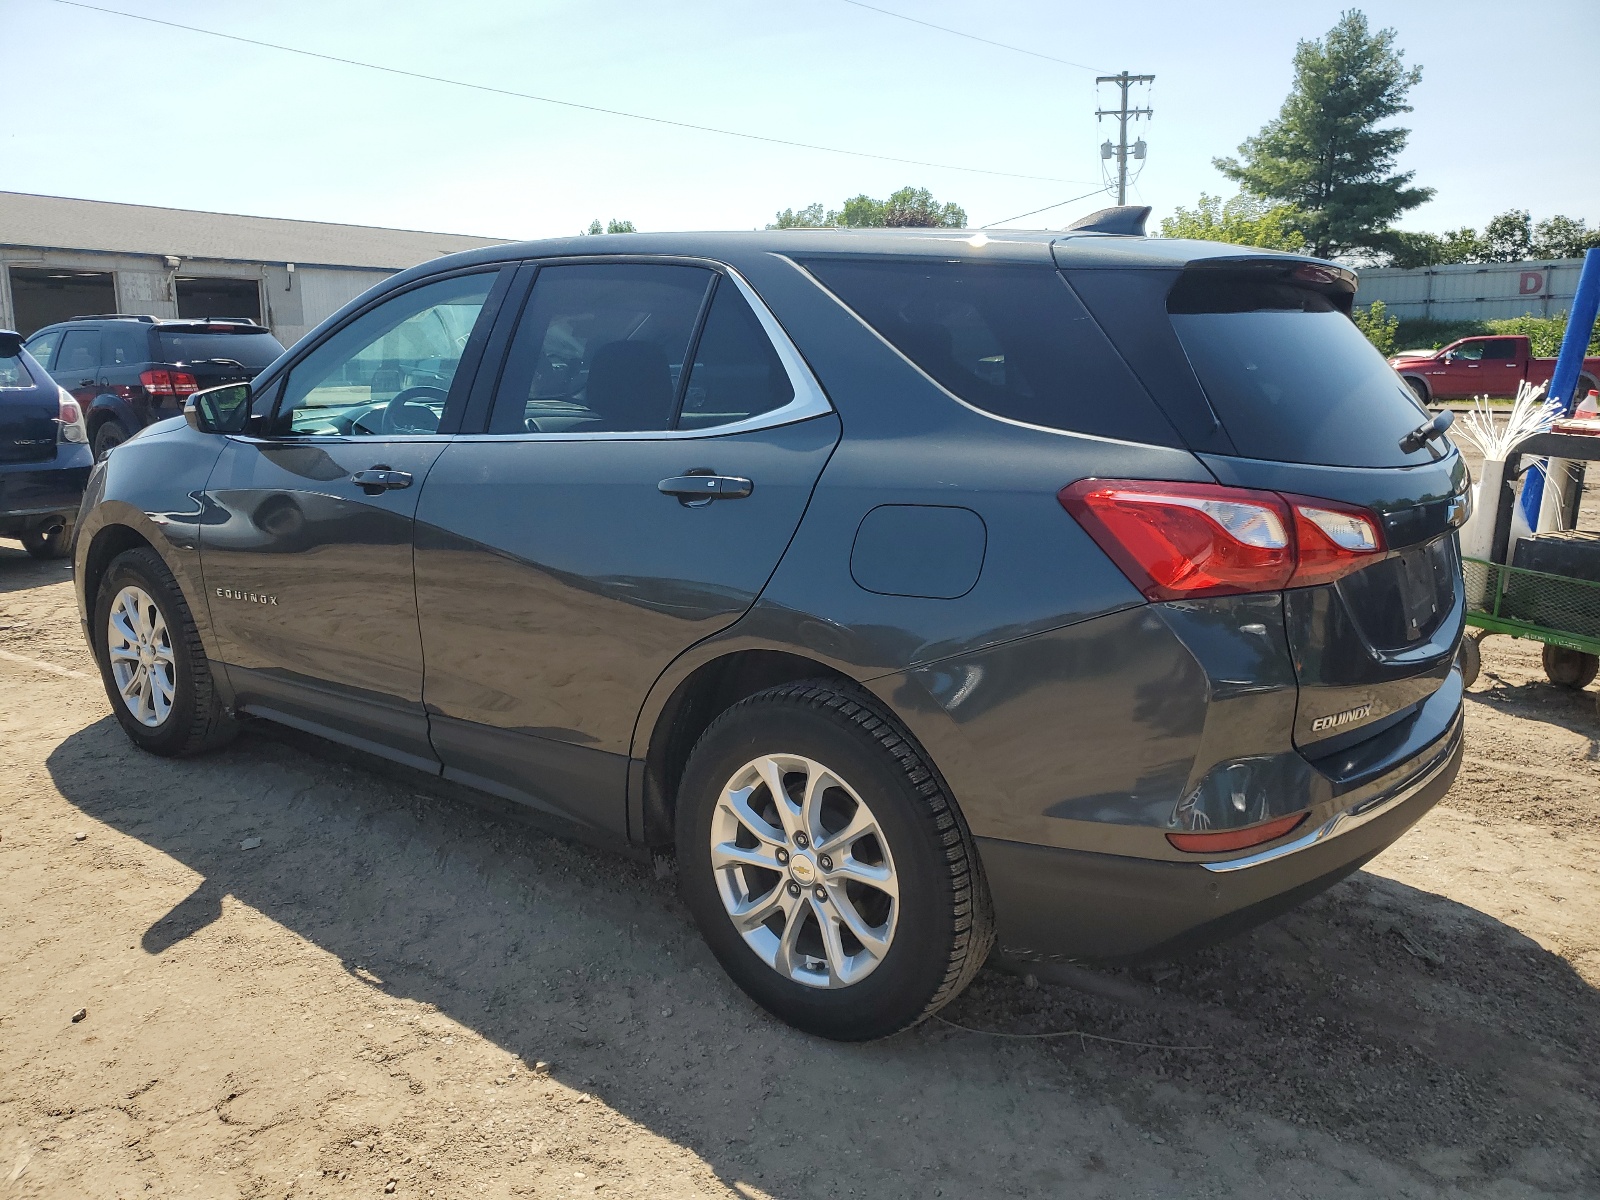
(161, 382)
(1217, 841)
(1178, 541)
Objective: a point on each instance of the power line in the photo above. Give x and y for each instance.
(971, 36)
(594, 108)
(1046, 208)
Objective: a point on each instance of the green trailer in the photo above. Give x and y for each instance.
(1562, 610)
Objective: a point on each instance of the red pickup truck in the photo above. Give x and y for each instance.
(1481, 366)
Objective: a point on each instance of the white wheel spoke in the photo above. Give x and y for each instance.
(738, 803)
(873, 940)
(726, 854)
(794, 921)
(874, 875)
(832, 945)
(772, 775)
(817, 784)
(859, 825)
(760, 910)
(124, 653)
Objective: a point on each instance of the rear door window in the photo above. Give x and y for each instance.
(1013, 341)
(79, 355)
(1288, 373)
(600, 349)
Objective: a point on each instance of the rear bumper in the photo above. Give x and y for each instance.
(1071, 904)
(35, 494)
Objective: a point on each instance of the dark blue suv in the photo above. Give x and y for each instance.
(1093, 593)
(44, 454)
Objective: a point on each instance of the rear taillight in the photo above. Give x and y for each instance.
(1185, 540)
(161, 382)
(69, 418)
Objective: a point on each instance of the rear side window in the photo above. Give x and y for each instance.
(1013, 341)
(202, 345)
(124, 344)
(1288, 373)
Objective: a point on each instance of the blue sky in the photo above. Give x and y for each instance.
(114, 109)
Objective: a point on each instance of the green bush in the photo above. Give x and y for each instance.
(1374, 321)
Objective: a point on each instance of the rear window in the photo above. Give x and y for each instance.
(1011, 340)
(1289, 375)
(199, 345)
(14, 373)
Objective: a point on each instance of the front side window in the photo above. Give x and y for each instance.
(1471, 352)
(79, 353)
(389, 371)
(600, 349)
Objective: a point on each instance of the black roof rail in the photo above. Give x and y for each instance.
(1125, 219)
(114, 317)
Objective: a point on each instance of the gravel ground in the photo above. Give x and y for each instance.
(404, 991)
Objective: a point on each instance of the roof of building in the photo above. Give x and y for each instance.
(64, 223)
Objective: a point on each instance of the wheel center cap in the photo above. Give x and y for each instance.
(803, 869)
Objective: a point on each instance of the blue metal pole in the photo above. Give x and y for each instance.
(1569, 362)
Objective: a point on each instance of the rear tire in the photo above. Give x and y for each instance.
(151, 661)
(1470, 657)
(108, 435)
(1570, 668)
(52, 543)
(916, 890)
(1419, 389)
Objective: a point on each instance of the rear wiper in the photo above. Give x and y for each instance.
(1427, 432)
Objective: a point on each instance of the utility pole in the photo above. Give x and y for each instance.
(1123, 114)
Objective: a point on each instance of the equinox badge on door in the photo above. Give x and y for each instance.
(251, 597)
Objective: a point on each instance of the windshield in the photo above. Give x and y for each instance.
(1291, 377)
(198, 345)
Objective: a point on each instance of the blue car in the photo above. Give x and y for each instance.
(920, 589)
(44, 454)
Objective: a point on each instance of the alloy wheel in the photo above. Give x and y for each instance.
(140, 649)
(804, 871)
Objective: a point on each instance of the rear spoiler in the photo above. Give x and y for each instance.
(10, 343)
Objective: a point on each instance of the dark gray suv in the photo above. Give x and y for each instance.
(1093, 593)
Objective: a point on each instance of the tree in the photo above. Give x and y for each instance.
(1325, 153)
(1510, 237)
(914, 207)
(1243, 221)
(611, 226)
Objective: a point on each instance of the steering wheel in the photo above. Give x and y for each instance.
(404, 413)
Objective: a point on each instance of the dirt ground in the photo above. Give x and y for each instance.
(360, 1004)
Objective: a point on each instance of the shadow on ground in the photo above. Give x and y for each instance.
(1400, 1024)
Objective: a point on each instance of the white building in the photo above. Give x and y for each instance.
(62, 258)
(1473, 291)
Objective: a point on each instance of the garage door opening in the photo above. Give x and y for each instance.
(203, 297)
(41, 296)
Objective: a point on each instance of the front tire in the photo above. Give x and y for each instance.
(151, 661)
(827, 868)
(1418, 389)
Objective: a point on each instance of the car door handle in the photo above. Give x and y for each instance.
(377, 480)
(705, 488)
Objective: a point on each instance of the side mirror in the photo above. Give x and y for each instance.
(224, 409)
